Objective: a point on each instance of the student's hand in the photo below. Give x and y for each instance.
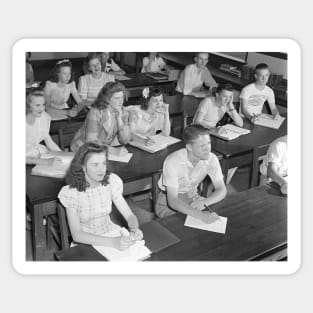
(198, 204)
(284, 188)
(276, 116)
(123, 242)
(254, 118)
(165, 108)
(73, 112)
(136, 234)
(208, 217)
(149, 141)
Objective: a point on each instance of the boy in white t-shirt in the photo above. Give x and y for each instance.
(275, 165)
(254, 95)
(153, 63)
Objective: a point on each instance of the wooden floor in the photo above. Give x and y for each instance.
(238, 183)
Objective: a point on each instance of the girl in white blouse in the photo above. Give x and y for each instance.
(37, 130)
(88, 200)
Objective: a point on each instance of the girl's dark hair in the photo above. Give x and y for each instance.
(153, 92)
(192, 132)
(30, 93)
(106, 93)
(224, 86)
(75, 176)
(57, 68)
(91, 56)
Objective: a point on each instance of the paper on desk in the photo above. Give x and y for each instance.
(229, 131)
(121, 77)
(267, 120)
(137, 252)
(119, 154)
(218, 226)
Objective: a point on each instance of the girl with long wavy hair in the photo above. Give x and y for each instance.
(88, 200)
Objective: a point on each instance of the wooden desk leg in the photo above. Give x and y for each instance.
(155, 177)
(38, 232)
(225, 167)
(254, 169)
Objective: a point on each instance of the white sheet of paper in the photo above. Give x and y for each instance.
(120, 158)
(218, 226)
(267, 120)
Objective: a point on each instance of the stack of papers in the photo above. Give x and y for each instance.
(218, 226)
(58, 171)
(267, 120)
(160, 142)
(229, 132)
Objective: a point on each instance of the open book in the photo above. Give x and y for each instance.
(267, 120)
(160, 142)
(229, 132)
(137, 252)
(57, 171)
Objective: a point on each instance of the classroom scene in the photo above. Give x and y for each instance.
(156, 156)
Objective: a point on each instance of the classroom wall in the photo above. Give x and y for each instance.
(57, 55)
(276, 65)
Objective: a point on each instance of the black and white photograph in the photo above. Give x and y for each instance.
(152, 157)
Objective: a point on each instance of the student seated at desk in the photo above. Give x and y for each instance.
(29, 71)
(153, 63)
(212, 109)
(106, 120)
(275, 165)
(37, 130)
(194, 76)
(150, 117)
(90, 84)
(253, 96)
(88, 201)
(108, 65)
(59, 89)
(183, 171)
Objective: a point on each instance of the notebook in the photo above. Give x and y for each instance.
(267, 120)
(229, 132)
(218, 226)
(136, 252)
(58, 171)
(160, 142)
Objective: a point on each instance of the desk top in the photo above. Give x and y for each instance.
(257, 224)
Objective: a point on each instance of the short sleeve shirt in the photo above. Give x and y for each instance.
(213, 113)
(277, 154)
(191, 79)
(256, 97)
(178, 172)
(156, 65)
(94, 205)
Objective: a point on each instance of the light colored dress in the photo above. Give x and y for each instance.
(89, 87)
(94, 205)
(35, 134)
(103, 125)
(59, 96)
(143, 123)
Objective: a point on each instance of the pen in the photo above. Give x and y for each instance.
(211, 211)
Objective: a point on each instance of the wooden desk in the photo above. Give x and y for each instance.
(256, 227)
(240, 151)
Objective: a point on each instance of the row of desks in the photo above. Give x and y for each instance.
(42, 192)
(256, 228)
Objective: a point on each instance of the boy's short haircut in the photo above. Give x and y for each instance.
(192, 132)
(261, 66)
(224, 86)
(197, 54)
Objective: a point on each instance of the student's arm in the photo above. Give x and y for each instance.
(244, 110)
(51, 145)
(116, 68)
(123, 133)
(180, 206)
(208, 79)
(48, 162)
(145, 65)
(166, 130)
(92, 126)
(272, 105)
(83, 91)
(80, 236)
(232, 112)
